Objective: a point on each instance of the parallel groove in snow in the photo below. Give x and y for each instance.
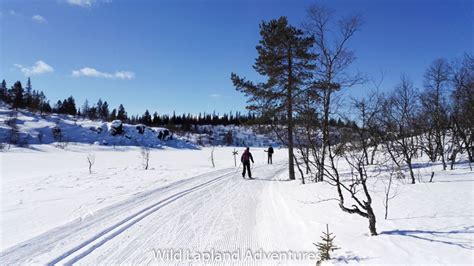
(60, 237)
(220, 217)
(203, 221)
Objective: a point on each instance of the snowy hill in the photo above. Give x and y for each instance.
(25, 128)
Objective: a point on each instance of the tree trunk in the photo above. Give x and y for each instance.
(373, 154)
(366, 154)
(453, 159)
(325, 144)
(307, 161)
(470, 154)
(410, 167)
(291, 165)
(372, 220)
(299, 169)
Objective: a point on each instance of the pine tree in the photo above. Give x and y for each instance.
(284, 57)
(28, 94)
(4, 92)
(85, 108)
(121, 114)
(58, 107)
(17, 95)
(99, 108)
(113, 115)
(104, 112)
(46, 107)
(146, 118)
(70, 107)
(327, 245)
(92, 113)
(156, 119)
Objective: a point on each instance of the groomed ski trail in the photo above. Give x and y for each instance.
(213, 211)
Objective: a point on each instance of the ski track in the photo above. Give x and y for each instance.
(215, 210)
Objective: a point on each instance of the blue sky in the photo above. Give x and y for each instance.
(169, 55)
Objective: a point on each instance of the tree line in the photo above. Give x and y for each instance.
(34, 100)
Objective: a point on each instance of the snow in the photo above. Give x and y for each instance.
(58, 179)
(123, 214)
(428, 223)
(52, 210)
(116, 123)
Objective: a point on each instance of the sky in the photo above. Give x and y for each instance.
(166, 56)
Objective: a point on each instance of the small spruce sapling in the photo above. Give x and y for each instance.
(326, 246)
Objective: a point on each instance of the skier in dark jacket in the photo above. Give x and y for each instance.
(245, 159)
(270, 153)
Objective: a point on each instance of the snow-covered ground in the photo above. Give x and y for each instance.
(53, 211)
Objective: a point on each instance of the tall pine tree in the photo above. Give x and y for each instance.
(28, 93)
(284, 58)
(18, 95)
(4, 92)
(121, 114)
(105, 113)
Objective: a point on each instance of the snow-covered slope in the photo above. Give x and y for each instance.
(64, 129)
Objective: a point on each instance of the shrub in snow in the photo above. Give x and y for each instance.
(164, 135)
(116, 127)
(57, 133)
(140, 128)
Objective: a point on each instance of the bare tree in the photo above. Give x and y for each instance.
(435, 109)
(368, 133)
(91, 161)
(332, 71)
(463, 101)
(355, 188)
(390, 194)
(400, 124)
(145, 156)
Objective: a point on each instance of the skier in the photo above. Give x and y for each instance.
(245, 159)
(270, 153)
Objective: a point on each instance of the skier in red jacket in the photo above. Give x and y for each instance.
(245, 159)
